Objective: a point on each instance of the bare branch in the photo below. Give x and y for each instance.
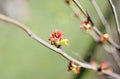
(115, 17)
(113, 52)
(107, 28)
(99, 33)
(39, 40)
(101, 16)
(94, 27)
(57, 50)
(80, 7)
(108, 48)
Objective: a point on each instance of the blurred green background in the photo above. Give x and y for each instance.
(23, 58)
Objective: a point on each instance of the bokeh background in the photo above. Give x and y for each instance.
(23, 58)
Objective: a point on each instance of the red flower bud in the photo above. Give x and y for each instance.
(56, 38)
(103, 66)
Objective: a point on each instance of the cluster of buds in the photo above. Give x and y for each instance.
(103, 66)
(56, 38)
(103, 38)
(73, 67)
(86, 25)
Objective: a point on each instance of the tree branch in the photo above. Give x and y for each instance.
(108, 48)
(115, 17)
(80, 7)
(107, 28)
(94, 27)
(57, 50)
(101, 16)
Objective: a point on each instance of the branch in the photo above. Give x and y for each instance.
(57, 50)
(115, 45)
(39, 40)
(107, 28)
(101, 16)
(80, 7)
(115, 17)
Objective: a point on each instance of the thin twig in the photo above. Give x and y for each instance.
(80, 7)
(100, 34)
(107, 28)
(94, 27)
(76, 12)
(39, 40)
(115, 17)
(101, 16)
(113, 52)
(86, 14)
(57, 50)
(94, 35)
(116, 57)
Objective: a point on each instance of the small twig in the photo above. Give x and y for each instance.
(116, 57)
(93, 34)
(76, 12)
(99, 33)
(101, 16)
(96, 37)
(106, 25)
(57, 50)
(86, 14)
(39, 40)
(113, 52)
(115, 17)
(115, 45)
(80, 7)
(94, 27)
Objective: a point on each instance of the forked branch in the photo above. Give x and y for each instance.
(57, 50)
